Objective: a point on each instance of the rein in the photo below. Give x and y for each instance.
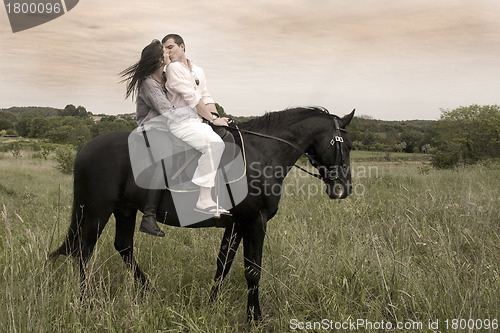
(335, 141)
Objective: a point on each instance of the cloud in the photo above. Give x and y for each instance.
(267, 54)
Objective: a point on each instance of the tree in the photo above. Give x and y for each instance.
(71, 111)
(466, 135)
(79, 135)
(426, 149)
(5, 124)
(221, 111)
(59, 134)
(413, 139)
(109, 124)
(23, 126)
(38, 127)
(7, 115)
(81, 112)
(400, 147)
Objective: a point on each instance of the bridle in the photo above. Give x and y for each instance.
(332, 173)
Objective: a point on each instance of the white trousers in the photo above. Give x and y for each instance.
(203, 138)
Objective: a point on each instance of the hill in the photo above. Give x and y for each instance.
(15, 112)
(367, 134)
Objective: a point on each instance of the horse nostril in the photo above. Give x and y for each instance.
(338, 190)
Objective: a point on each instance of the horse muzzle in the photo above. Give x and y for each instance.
(338, 189)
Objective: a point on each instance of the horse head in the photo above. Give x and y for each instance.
(330, 155)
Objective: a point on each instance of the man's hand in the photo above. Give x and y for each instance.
(223, 121)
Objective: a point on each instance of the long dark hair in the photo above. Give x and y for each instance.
(149, 62)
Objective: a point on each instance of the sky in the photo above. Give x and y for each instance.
(388, 59)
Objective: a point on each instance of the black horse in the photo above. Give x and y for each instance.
(104, 185)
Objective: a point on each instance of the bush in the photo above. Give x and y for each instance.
(65, 158)
(15, 149)
(45, 150)
(445, 159)
(466, 135)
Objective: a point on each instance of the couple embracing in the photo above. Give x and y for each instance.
(171, 95)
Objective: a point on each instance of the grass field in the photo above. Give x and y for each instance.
(411, 245)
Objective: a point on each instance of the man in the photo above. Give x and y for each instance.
(187, 91)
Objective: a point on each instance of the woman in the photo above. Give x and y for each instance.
(145, 80)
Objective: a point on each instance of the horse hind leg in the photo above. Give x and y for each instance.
(89, 230)
(229, 245)
(124, 242)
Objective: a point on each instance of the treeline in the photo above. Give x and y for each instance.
(461, 136)
(465, 135)
(74, 125)
(410, 136)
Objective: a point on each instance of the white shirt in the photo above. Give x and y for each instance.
(186, 87)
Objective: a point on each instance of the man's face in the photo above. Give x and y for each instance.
(175, 52)
(166, 57)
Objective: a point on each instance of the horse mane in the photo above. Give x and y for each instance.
(271, 121)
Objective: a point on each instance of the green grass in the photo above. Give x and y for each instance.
(374, 156)
(412, 244)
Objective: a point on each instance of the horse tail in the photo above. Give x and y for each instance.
(71, 244)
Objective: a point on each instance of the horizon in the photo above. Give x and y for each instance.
(362, 116)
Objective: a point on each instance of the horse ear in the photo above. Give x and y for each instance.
(346, 120)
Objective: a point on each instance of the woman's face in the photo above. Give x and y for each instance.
(175, 51)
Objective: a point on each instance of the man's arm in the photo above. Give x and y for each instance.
(206, 110)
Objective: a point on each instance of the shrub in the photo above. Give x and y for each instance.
(65, 158)
(15, 149)
(466, 135)
(445, 159)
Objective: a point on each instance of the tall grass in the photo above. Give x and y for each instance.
(412, 244)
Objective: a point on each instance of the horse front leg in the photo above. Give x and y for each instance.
(124, 242)
(229, 245)
(253, 242)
